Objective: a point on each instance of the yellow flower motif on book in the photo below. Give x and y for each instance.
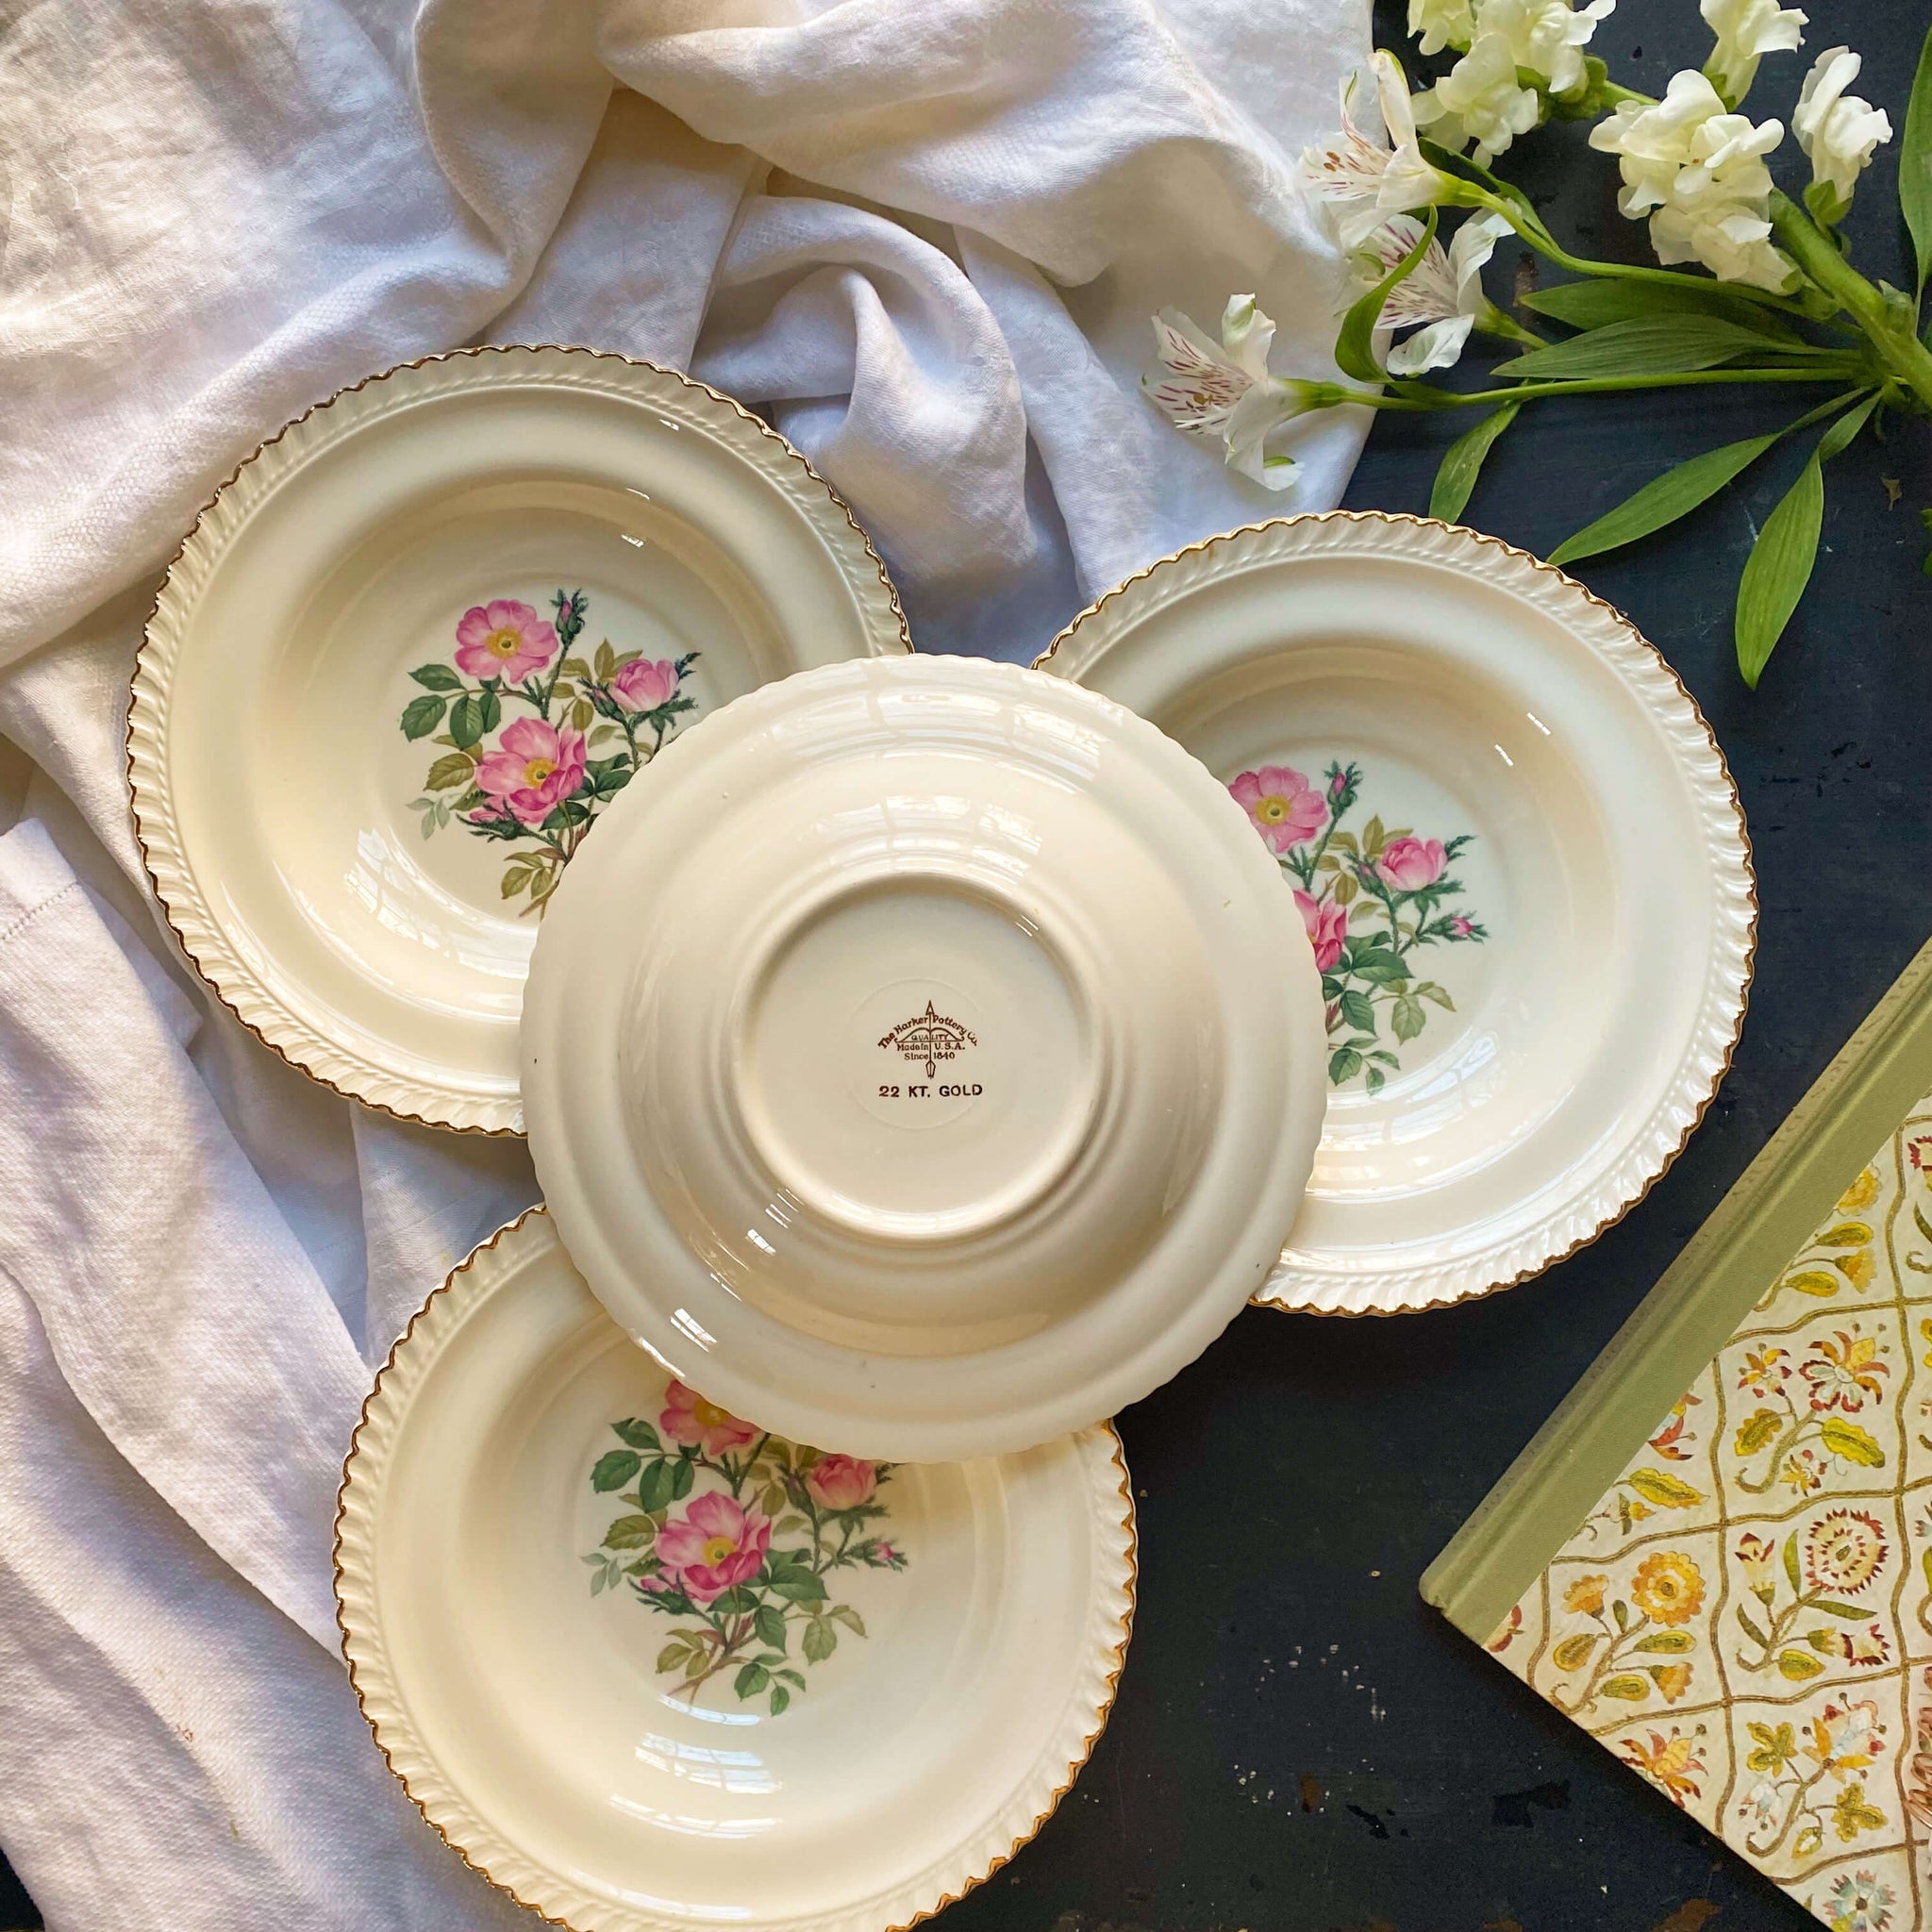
(1585, 1595)
(1757, 1555)
(1761, 1375)
(1672, 1680)
(1843, 1370)
(1861, 1193)
(1668, 1588)
(1842, 1550)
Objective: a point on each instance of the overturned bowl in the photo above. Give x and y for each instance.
(921, 1058)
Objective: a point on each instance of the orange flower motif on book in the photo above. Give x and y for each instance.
(1585, 1597)
(1842, 1550)
(1843, 1370)
(1668, 1589)
(1674, 1763)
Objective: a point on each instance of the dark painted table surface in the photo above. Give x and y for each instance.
(1299, 1743)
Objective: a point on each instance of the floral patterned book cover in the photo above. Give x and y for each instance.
(1731, 1591)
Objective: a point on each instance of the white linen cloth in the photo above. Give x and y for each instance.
(925, 237)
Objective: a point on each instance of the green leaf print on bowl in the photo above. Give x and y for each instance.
(1370, 900)
(745, 1562)
(592, 722)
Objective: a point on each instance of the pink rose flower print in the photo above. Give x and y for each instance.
(1410, 864)
(1460, 927)
(840, 1482)
(535, 768)
(689, 1418)
(1328, 924)
(714, 1546)
(504, 639)
(642, 686)
(1281, 803)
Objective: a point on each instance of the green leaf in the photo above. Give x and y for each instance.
(1848, 1440)
(614, 1469)
(1675, 1643)
(780, 1698)
(490, 707)
(850, 1618)
(657, 1486)
(1663, 499)
(769, 1621)
(639, 1434)
(799, 1586)
(421, 716)
(1428, 990)
(1645, 345)
(1915, 165)
(1629, 1689)
(1791, 1554)
(1666, 1491)
(751, 1681)
(820, 1641)
(1462, 463)
(1406, 1016)
(630, 1533)
(1847, 1234)
(1780, 563)
(452, 768)
(1573, 1652)
(436, 677)
(1380, 969)
(1832, 1608)
(1358, 1009)
(1355, 347)
(574, 667)
(1812, 1281)
(683, 1473)
(605, 661)
(1373, 1080)
(1752, 1628)
(465, 720)
(1757, 1429)
(1796, 1665)
(1606, 299)
(675, 1653)
(1343, 1064)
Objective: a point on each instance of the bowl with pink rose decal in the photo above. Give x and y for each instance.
(1515, 850)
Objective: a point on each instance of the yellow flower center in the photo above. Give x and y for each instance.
(708, 1415)
(503, 642)
(717, 1549)
(1271, 810)
(537, 770)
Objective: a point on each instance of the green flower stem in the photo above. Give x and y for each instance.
(1491, 321)
(1890, 335)
(1527, 223)
(1601, 385)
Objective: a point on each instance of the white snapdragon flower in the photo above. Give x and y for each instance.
(1747, 30)
(1223, 389)
(1547, 37)
(1480, 99)
(1698, 170)
(1357, 182)
(1837, 130)
(1439, 24)
(1440, 298)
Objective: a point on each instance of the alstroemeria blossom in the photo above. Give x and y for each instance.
(1747, 30)
(1356, 183)
(1439, 24)
(1440, 298)
(1837, 130)
(1481, 99)
(1547, 37)
(1698, 170)
(1225, 391)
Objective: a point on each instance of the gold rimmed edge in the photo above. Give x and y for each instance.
(1124, 1588)
(1749, 952)
(451, 355)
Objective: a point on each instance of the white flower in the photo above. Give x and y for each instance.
(1747, 30)
(1356, 182)
(1225, 391)
(1443, 293)
(1699, 172)
(1547, 37)
(1837, 130)
(1441, 24)
(1481, 99)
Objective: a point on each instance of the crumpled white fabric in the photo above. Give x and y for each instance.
(925, 237)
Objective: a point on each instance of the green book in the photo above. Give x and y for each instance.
(1716, 1557)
